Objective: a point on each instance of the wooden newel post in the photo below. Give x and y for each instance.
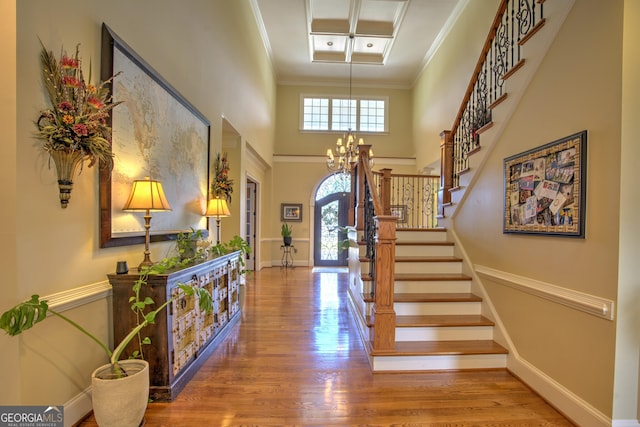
(383, 316)
(351, 220)
(363, 158)
(385, 191)
(446, 171)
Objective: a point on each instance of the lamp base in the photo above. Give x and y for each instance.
(145, 263)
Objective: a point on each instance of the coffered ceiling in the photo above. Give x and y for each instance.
(388, 41)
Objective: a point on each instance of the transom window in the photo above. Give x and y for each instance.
(327, 113)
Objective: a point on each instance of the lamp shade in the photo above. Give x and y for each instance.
(147, 194)
(217, 207)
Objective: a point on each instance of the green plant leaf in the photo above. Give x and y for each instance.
(24, 316)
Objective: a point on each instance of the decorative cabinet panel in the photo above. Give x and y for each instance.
(182, 336)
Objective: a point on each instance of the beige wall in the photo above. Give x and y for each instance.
(221, 68)
(440, 88)
(300, 163)
(9, 347)
(577, 86)
(289, 140)
(297, 179)
(625, 401)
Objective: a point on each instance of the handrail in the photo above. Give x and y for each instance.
(515, 22)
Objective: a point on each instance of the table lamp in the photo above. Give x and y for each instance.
(146, 195)
(217, 208)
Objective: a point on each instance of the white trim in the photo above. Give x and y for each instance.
(590, 304)
(571, 405)
(72, 298)
(291, 158)
(625, 423)
(77, 407)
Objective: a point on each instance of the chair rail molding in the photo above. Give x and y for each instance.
(591, 304)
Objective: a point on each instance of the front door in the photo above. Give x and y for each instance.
(331, 214)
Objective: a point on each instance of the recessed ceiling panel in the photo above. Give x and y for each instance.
(308, 40)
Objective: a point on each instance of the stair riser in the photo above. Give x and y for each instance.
(421, 236)
(437, 363)
(436, 308)
(422, 267)
(428, 267)
(451, 333)
(428, 250)
(417, 250)
(410, 287)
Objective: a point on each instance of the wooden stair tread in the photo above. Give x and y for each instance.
(401, 243)
(431, 277)
(423, 230)
(424, 277)
(443, 348)
(420, 259)
(444, 320)
(436, 297)
(428, 259)
(437, 321)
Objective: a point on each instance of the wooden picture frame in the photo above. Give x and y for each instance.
(156, 133)
(291, 212)
(545, 189)
(400, 212)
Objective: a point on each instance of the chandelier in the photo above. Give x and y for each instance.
(346, 147)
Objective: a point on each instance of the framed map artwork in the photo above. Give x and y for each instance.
(545, 189)
(156, 133)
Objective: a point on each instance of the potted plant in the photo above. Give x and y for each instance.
(74, 129)
(120, 389)
(187, 244)
(237, 243)
(286, 231)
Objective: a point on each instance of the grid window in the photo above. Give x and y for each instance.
(372, 115)
(316, 114)
(337, 114)
(341, 118)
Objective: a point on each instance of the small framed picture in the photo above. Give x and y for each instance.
(291, 212)
(400, 212)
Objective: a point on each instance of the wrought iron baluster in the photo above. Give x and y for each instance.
(370, 235)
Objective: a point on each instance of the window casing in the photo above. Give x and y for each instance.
(321, 113)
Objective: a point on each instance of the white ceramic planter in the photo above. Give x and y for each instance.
(120, 402)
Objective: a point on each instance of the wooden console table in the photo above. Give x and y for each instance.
(182, 337)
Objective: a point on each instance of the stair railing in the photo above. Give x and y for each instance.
(515, 22)
(378, 229)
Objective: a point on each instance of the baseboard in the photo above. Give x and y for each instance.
(625, 423)
(296, 263)
(569, 404)
(77, 408)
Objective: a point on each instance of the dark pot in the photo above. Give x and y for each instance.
(287, 240)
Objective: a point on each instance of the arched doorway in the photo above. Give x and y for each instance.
(331, 213)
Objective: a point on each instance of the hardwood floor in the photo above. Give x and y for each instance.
(295, 359)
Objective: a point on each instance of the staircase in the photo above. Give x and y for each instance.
(439, 321)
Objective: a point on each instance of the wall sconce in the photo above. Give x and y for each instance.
(217, 208)
(146, 195)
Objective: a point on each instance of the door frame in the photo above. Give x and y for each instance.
(343, 216)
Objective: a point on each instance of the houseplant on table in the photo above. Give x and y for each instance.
(74, 129)
(189, 244)
(121, 387)
(237, 243)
